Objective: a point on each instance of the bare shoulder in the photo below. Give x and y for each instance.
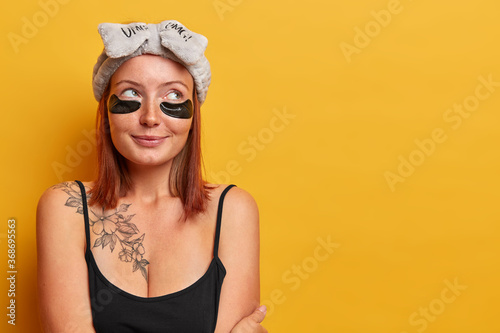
(60, 207)
(57, 198)
(240, 222)
(239, 206)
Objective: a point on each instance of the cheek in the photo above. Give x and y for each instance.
(181, 126)
(117, 125)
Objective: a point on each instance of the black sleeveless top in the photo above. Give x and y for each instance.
(192, 309)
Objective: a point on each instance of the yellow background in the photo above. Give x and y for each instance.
(321, 173)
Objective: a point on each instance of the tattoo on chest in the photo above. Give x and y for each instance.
(113, 227)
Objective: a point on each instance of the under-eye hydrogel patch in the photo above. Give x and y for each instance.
(116, 105)
(182, 110)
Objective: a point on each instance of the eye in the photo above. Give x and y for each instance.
(174, 95)
(130, 93)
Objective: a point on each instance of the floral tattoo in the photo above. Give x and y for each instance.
(113, 228)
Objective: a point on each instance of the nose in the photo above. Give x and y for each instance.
(150, 114)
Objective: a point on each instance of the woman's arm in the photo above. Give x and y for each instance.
(64, 299)
(239, 252)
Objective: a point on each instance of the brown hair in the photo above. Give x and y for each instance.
(186, 178)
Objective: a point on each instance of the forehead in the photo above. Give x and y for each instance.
(152, 69)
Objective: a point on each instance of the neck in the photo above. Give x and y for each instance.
(149, 183)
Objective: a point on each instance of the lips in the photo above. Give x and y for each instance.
(149, 140)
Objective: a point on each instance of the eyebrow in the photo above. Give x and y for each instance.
(162, 85)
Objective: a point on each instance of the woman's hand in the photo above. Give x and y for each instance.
(251, 324)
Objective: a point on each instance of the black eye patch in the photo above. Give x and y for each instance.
(116, 105)
(182, 110)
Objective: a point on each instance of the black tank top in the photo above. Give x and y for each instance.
(192, 309)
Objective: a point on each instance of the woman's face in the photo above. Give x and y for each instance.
(142, 131)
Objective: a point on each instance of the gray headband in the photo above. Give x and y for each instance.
(168, 39)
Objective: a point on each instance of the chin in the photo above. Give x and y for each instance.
(149, 161)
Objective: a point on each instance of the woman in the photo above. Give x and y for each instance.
(147, 247)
